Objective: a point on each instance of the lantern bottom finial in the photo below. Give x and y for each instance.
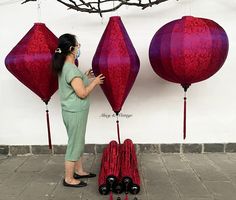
(185, 86)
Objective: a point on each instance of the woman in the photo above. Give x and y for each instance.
(74, 88)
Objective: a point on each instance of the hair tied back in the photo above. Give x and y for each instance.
(58, 50)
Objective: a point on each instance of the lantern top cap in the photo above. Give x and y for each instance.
(39, 24)
(187, 17)
(115, 17)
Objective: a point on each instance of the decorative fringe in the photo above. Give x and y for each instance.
(48, 126)
(184, 129)
(111, 196)
(118, 129)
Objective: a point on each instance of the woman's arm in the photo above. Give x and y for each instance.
(80, 89)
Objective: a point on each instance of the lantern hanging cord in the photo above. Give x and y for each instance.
(190, 9)
(118, 127)
(39, 10)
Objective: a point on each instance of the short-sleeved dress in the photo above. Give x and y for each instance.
(74, 111)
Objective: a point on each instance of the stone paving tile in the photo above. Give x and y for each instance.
(12, 163)
(198, 198)
(221, 190)
(7, 197)
(67, 193)
(204, 168)
(16, 184)
(233, 179)
(3, 158)
(227, 164)
(143, 192)
(223, 162)
(153, 168)
(175, 162)
(188, 185)
(231, 156)
(161, 191)
(45, 181)
(157, 181)
(9, 166)
(38, 188)
(184, 178)
(54, 170)
(34, 163)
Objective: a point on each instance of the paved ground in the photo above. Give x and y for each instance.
(164, 177)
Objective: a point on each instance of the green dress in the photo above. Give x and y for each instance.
(74, 111)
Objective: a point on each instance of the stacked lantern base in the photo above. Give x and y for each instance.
(119, 170)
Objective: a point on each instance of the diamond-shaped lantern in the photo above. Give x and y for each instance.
(30, 62)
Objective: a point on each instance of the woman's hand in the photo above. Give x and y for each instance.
(99, 79)
(89, 74)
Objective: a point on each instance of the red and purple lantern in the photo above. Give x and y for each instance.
(187, 51)
(118, 61)
(30, 62)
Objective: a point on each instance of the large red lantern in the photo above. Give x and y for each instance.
(30, 62)
(118, 61)
(187, 51)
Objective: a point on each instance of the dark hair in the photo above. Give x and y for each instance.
(66, 44)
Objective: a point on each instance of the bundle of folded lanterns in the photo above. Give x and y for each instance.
(119, 170)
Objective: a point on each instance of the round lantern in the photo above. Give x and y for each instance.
(30, 62)
(187, 51)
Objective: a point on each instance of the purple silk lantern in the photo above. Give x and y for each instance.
(187, 51)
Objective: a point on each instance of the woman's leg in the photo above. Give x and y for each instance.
(69, 171)
(79, 167)
(76, 126)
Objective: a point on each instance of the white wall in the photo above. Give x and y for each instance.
(156, 105)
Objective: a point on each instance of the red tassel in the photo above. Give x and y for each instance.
(126, 197)
(48, 126)
(111, 196)
(118, 129)
(185, 98)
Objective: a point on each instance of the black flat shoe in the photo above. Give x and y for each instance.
(81, 184)
(90, 175)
